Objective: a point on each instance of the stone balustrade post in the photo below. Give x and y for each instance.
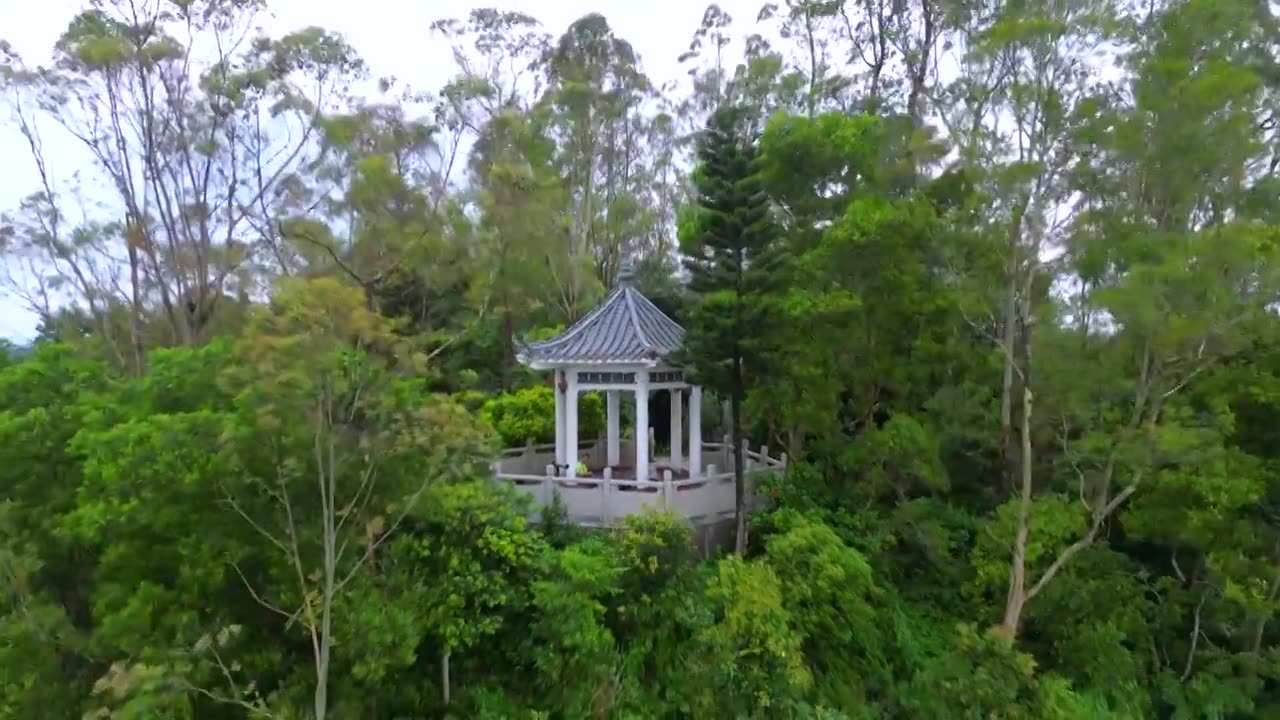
(606, 496)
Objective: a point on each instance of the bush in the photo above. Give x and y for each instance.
(530, 414)
(473, 400)
(983, 676)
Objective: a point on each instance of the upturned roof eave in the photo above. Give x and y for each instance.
(616, 322)
(566, 363)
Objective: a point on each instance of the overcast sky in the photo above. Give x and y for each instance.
(391, 35)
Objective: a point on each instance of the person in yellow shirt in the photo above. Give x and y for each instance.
(581, 469)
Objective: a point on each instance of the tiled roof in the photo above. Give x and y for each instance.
(625, 329)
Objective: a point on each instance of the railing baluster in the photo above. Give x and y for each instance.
(702, 499)
(606, 492)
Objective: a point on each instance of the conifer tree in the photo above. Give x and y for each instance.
(728, 240)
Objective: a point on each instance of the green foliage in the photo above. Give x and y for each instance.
(899, 458)
(980, 676)
(835, 602)
(245, 470)
(731, 252)
(728, 252)
(35, 634)
(572, 650)
(1056, 521)
(529, 415)
(753, 652)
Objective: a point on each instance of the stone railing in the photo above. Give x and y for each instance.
(601, 501)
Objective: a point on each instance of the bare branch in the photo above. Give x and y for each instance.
(484, 308)
(1075, 548)
(254, 709)
(1195, 638)
(249, 586)
(1066, 452)
(228, 499)
(409, 505)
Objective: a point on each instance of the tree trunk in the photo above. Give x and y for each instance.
(1260, 626)
(135, 307)
(795, 443)
(1011, 342)
(328, 488)
(1018, 594)
(1010, 337)
(919, 72)
(444, 676)
(322, 661)
(322, 679)
(813, 60)
(508, 350)
(739, 461)
(1018, 568)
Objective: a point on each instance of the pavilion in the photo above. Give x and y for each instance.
(618, 347)
(621, 348)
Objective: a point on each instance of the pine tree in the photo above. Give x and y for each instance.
(728, 240)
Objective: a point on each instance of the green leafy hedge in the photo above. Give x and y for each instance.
(530, 414)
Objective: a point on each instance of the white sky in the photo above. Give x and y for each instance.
(391, 35)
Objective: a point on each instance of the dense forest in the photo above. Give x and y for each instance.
(999, 276)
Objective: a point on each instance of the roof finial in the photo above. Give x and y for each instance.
(626, 272)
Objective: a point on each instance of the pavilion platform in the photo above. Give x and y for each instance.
(607, 494)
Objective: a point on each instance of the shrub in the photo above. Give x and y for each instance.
(530, 414)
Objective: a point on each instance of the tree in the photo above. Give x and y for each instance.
(194, 150)
(1138, 217)
(339, 448)
(730, 248)
(464, 565)
(752, 653)
(1026, 61)
(862, 230)
(1015, 327)
(807, 24)
(596, 90)
(522, 235)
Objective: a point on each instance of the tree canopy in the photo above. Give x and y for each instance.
(1001, 279)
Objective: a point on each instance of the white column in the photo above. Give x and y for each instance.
(571, 423)
(642, 426)
(612, 407)
(695, 431)
(560, 425)
(677, 427)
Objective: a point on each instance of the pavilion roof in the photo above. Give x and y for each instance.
(625, 329)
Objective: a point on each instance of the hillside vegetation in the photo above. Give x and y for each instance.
(999, 277)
